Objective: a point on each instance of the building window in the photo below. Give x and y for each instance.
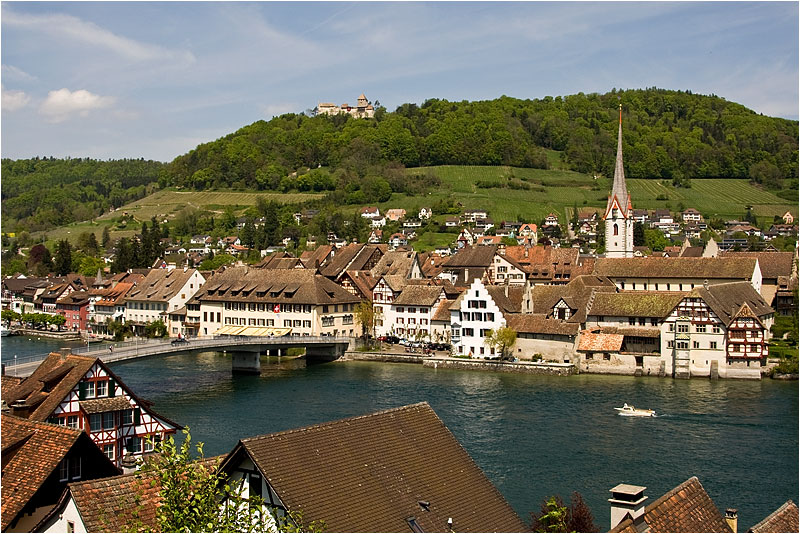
(126, 417)
(72, 421)
(695, 344)
(716, 329)
(90, 390)
(95, 422)
(683, 328)
(670, 344)
(63, 470)
(134, 445)
(701, 328)
(616, 229)
(754, 348)
(712, 345)
(108, 420)
(102, 388)
(683, 345)
(108, 450)
(70, 526)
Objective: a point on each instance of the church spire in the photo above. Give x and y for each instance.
(618, 189)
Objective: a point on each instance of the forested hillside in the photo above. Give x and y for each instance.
(667, 135)
(41, 193)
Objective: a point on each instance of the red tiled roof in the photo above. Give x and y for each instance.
(591, 342)
(686, 508)
(784, 519)
(31, 451)
(370, 474)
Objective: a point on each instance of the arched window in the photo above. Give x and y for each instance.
(616, 229)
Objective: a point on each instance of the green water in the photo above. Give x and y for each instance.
(533, 436)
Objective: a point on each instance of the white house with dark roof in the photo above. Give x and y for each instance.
(160, 292)
(472, 316)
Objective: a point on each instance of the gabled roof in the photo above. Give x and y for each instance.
(418, 295)
(471, 256)
(636, 303)
(576, 294)
(732, 300)
(686, 508)
(772, 264)
(508, 303)
(161, 284)
(320, 254)
(55, 378)
(395, 262)
(340, 261)
(111, 296)
(784, 519)
(296, 286)
(374, 472)
(693, 268)
(539, 324)
(31, 451)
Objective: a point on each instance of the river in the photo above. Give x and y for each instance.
(533, 436)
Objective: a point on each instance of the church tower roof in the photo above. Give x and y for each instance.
(619, 190)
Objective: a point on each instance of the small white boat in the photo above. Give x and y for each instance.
(4, 331)
(630, 411)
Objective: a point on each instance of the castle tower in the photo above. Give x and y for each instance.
(619, 211)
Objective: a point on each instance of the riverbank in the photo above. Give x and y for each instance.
(438, 362)
(49, 334)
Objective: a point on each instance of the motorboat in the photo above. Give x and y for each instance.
(631, 411)
(4, 331)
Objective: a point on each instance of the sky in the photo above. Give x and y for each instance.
(152, 80)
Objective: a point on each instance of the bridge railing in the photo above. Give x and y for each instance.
(148, 346)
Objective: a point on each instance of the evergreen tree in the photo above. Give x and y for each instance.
(63, 261)
(248, 234)
(106, 239)
(638, 234)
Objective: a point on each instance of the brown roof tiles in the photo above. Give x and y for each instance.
(370, 474)
(658, 267)
(686, 508)
(784, 519)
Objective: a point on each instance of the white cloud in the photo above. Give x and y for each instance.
(13, 73)
(60, 104)
(14, 100)
(89, 33)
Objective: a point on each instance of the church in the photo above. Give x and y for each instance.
(619, 210)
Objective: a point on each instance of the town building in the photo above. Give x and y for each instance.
(618, 216)
(478, 310)
(74, 307)
(82, 393)
(398, 470)
(677, 274)
(160, 292)
(39, 460)
(249, 301)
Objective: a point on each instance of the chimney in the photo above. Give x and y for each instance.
(128, 464)
(705, 284)
(626, 501)
(732, 518)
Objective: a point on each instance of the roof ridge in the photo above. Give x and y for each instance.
(337, 421)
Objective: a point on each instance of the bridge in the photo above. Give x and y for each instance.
(245, 351)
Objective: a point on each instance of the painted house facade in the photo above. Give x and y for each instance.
(82, 393)
(160, 292)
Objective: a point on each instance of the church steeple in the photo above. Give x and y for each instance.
(619, 216)
(619, 189)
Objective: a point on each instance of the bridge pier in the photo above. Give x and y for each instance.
(325, 353)
(245, 362)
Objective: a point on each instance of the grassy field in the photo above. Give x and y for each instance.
(557, 191)
(165, 204)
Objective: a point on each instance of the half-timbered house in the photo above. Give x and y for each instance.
(83, 393)
(39, 460)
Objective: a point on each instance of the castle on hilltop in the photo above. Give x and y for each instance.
(361, 110)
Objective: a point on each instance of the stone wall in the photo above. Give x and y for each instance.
(559, 369)
(382, 357)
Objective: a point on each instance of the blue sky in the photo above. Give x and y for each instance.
(153, 79)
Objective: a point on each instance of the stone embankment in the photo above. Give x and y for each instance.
(539, 368)
(32, 332)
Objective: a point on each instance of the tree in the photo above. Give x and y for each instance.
(196, 496)
(155, 329)
(638, 234)
(8, 316)
(63, 262)
(556, 517)
(87, 242)
(40, 261)
(502, 340)
(365, 316)
(106, 238)
(57, 320)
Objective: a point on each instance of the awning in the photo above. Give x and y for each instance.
(233, 330)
